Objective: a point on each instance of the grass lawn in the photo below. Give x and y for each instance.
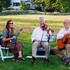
(29, 22)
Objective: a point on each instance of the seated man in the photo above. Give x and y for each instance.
(40, 37)
(61, 43)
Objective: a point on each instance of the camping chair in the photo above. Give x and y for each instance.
(3, 48)
(41, 50)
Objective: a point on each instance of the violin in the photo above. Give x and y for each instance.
(48, 29)
(43, 26)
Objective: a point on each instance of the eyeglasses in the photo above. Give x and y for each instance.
(10, 23)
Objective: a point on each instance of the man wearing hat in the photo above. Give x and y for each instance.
(40, 37)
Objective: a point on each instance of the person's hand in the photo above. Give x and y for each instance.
(66, 33)
(14, 37)
(38, 41)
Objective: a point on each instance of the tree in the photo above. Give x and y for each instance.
(0, 7)
(4, 4)
(24, 6)
(41, 4)
(66, 5)
(57, 5)
(46, 4)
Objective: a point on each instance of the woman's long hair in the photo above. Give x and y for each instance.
(7, 27)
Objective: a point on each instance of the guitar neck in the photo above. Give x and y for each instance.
(17, 34)
(20, 30)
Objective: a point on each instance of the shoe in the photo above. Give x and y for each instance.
(33, 61)
(47, 61)
(15, 60)
(67, 61)
(21, 58)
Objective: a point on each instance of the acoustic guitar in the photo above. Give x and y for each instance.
(61, 43)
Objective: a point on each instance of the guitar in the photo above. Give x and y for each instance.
(14, 41)
(61, 43)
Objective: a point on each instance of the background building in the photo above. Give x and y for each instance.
(15, 4)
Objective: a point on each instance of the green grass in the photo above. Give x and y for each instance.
(29, 22)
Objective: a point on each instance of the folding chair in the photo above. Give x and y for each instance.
(41, 50)
(6, 49)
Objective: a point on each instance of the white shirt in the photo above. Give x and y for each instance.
(62, 32)
(39, 34)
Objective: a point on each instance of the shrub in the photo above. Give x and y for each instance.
(24, 6)
(0, 7)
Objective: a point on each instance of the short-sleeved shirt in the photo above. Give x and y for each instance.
(6, 34)
(62, 32)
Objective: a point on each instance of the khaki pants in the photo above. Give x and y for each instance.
(67, 47)
(45, 45)
(64, 52)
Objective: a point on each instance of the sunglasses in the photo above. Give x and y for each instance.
(10, 23)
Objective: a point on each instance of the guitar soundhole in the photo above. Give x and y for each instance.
(66, 41)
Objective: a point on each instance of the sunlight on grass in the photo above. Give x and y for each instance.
(36, 17)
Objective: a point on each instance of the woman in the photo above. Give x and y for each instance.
(8, 37)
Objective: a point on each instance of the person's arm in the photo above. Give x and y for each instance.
(5, 35)
(33, 37)
(60, 34)
(4, 39)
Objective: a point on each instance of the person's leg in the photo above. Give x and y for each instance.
(58, 52)
(20, 54)
(47, 49)
(19, 49)
(12, 49)
(68, 50)
(34, 50)
(67, 55)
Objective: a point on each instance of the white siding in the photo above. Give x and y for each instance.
(17, 6)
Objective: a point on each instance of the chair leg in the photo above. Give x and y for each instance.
(1, 54)
(7, 52)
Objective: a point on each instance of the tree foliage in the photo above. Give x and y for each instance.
(24, 6)
(4, 4)
(55, 5)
